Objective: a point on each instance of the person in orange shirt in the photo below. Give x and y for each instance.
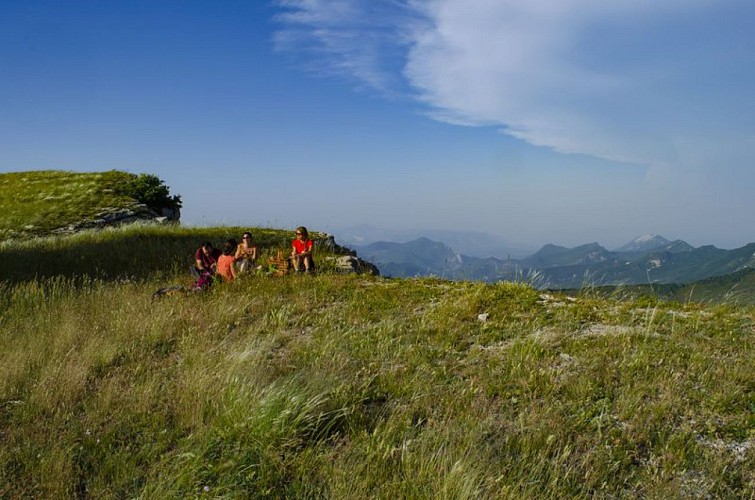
(226, 268)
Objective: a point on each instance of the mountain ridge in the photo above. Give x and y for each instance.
(562, 267)
(643, 243)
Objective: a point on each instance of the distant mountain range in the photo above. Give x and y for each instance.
(472, 243)
(420, 257)
(647, 259)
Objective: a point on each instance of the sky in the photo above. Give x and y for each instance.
(544, 121)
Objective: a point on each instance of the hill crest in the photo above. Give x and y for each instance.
(39, 203)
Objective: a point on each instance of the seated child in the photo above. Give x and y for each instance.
(225, 261)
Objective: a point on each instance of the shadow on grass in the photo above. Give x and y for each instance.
(130, 256)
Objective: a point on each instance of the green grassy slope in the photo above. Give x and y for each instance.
(34, 203)
(135, 251)
(735, 288)
(355, 387)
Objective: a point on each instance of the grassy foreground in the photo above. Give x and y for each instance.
(353, 387)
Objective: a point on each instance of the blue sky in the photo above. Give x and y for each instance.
(565, 122)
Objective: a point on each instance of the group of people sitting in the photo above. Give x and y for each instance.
(238, 258)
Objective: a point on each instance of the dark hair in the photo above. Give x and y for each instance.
(247, 233)
(206, 244)
(303, 231)
(230, 247)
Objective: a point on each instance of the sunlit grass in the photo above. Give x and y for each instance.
(34, 203)
(135, 251)
(355, 387)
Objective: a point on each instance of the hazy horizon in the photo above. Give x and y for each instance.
(511, 244)
(541, 122)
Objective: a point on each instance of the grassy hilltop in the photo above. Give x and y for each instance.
(34, 203)
(38, 202)
(345, 386)
(136, 251)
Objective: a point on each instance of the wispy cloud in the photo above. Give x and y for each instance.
(363, 40)
(625, 80)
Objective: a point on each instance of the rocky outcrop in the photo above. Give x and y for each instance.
(328, 242)
(347, 260)
(118, 216)
(353, 264)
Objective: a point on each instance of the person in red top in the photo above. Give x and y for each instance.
(225, 261)
(302, 251)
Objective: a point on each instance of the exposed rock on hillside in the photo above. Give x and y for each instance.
(347, 262)
(353, 264)
(117, 216)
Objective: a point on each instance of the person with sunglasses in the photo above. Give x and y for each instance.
(246, 253)
(302, 250)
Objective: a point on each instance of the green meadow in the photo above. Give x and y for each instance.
(345, 386)
(135, 251)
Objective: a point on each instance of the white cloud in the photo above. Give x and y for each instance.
(360, 39)
(627, 80)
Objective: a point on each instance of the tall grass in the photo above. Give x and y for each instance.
(354, 387)
(135, 251)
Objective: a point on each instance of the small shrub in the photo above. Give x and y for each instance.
(150, 190)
